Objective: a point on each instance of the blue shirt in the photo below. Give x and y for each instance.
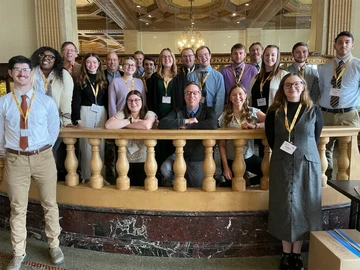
(350, 83)
(214, 86)
(43, 121)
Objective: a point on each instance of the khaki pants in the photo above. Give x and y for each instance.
(337, 119)
(17, 174)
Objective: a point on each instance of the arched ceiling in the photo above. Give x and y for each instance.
(101, 22)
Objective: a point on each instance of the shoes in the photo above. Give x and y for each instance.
(296, 262)
(57, 256)
(285, 263)
(16, 262)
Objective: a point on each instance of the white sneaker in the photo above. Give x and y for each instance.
(57, 256)
(16, 262)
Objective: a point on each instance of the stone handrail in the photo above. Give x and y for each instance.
(347, 168)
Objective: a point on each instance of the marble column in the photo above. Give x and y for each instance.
(252, 35)
(56, 22)
(132, 41)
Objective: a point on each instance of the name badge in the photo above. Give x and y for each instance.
(335, 92)
(95, 108)
(133, 148)
(24, 133)
(166, 100)
(261, 102)
(288, 147)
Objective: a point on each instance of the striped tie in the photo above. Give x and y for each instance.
(334, 100)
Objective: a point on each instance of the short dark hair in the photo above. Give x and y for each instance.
(68, 43)
(256, 43)
(345, 33)
(19, 59)
(149, 58)
(298, 45)
(238, 46)
(191, 83)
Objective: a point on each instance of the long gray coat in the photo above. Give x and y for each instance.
(295, 181)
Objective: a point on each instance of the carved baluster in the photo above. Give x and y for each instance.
(122, 165)
(179, 166)
(209, 166)
(323, 160)
(96, 164)
(71, 163)
(1, 169)
(238, 167)
(343, 160)
(151, 182)
(265, 166)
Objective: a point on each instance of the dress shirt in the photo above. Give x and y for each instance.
(43, 121)
(350, 83)
(214, 86)
(230, 80)
(118, 91)
(139, 72)
(110, 76)
(311, 77)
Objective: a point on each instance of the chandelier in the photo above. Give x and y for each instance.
(190, 38)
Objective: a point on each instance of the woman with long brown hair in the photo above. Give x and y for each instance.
(89, 105)
(293, 126)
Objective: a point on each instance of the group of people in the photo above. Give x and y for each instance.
(52, 90)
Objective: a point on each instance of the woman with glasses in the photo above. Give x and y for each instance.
(134, 115)
(238, 114)
(89, 104)
(264, 85)
(120, 87)
(293, 126)
(50, 78)
(165, 93)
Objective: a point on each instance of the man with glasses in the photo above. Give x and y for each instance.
(69, 53)
(300, 52)
(29, 127)
(211, 81)
(339, 82)
(238, 72)
(193, 115)
(188, 61)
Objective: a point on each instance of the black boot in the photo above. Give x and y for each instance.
(285, 263)
(296, 262)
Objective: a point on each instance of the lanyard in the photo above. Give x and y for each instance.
(338, 76)
(187, 71)
(202, 80)
(166, 85)
(25, 116)
(238, 79)
(289, 129)
(46, 82)
(132, 84)
(95, 91)
(238, 121)
(263, 82)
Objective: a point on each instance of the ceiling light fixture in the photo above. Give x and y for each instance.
(190, 38)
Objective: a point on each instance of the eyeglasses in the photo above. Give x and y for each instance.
(166, 57)
(128, 65)
(136, 100)
(47, 56)
(295, 84)
(21, 69)
(195, 93)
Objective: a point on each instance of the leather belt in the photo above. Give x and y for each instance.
(29, 153)
(338, 110)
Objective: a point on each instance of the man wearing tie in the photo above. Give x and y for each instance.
(339, 82)
(193, 115)
(238, 72)
(256, 51)
(300, 52)
(29, 127)
(210, 80)
(188, 61)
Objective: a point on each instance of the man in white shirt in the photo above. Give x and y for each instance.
(29, 127)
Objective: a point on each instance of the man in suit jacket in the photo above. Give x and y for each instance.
(300, 52)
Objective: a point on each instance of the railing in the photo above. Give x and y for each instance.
(181, 198)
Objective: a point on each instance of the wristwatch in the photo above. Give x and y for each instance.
(130, 119)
